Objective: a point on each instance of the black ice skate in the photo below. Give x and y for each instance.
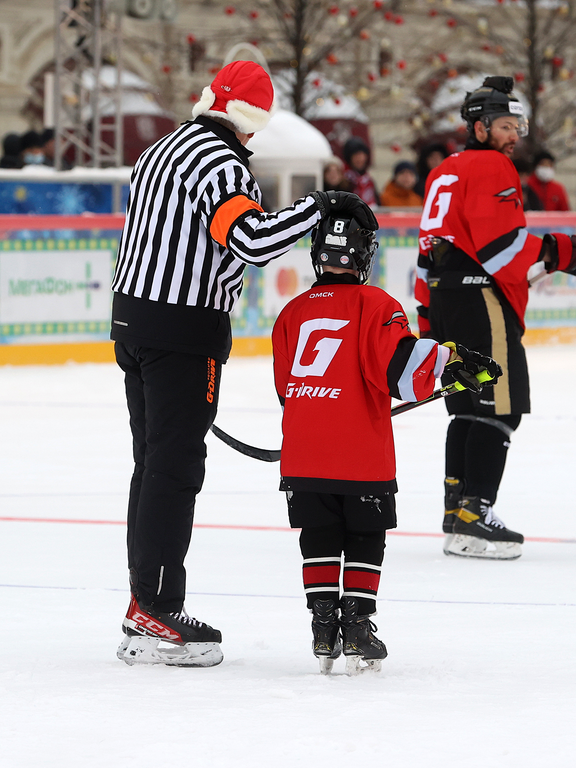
(326, 644)
(364, 651)
(453, 492)
(479, 533)
(176, 639)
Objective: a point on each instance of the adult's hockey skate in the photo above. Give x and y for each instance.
(478, 532)
(175, 639)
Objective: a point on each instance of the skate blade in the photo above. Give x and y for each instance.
(447, 541)
(326, 664)
(149, 650)
(471, 546)
(356, 665)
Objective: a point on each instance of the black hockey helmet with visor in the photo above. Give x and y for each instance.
(340, 241)
(492, 100)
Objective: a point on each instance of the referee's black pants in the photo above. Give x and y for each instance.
(172, 400)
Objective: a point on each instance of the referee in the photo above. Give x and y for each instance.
(194, 221)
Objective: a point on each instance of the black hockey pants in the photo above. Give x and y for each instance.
(172, 400)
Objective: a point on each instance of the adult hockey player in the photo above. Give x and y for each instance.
(194, 221)
(342, 350)
(475, 253)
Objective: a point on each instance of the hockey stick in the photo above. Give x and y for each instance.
(262, 454)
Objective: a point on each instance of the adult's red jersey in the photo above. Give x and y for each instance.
(474, 201)
(341, 352)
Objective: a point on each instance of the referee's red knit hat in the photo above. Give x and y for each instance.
(242, 93)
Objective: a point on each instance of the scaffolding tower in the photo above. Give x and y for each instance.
(86, 33)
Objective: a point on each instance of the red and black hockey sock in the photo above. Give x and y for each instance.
(363, 556)
(322, 549)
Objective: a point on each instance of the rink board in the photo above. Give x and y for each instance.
(55, 273)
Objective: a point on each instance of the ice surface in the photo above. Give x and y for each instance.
(481, 670)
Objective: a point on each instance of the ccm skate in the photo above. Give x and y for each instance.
(175, 639)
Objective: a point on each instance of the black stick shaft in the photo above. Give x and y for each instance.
(263, 454)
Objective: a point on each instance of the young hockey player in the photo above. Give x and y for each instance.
(475, 253)
(342, 350)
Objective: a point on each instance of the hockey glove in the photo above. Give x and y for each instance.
(469, 369)
(331, 203)
(561, 251)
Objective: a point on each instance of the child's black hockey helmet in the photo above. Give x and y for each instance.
(339, 241)
(493, 99)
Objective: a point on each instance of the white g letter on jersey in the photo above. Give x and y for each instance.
(326, 347)
(443, 201)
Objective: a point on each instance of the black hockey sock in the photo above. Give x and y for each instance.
(486, 452)
(322, 549)
(456, 438)
(363, 556)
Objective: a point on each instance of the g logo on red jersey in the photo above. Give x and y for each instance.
(326, 347)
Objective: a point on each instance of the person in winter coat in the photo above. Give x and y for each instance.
(430, 157)
(552, 194)
(399, 192)
(357, 156)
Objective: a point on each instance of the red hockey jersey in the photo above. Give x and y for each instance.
(341, 352)
(474, 200)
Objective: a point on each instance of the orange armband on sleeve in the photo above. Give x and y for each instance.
(227, 214)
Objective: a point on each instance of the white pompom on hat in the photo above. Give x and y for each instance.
(242, 93)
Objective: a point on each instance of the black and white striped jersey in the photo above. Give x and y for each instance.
(194, 221)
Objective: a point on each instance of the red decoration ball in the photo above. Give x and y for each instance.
(432, 12)
(333, 10)
(253, 14)
(452, 23)
(332, 58)
(364, 34)
(401, 64)
(443, 57)
(193, 97)
(377, 5)
(557, 61)
(353, 12)
(396, 148)
(399, 20)
(389, 16)
(191, 39)
(229, 10)
(372, 77)
(519, 77)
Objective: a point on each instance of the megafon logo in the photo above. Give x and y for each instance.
(154, 627)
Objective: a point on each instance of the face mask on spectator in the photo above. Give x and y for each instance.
(33, 158)
(544, 172)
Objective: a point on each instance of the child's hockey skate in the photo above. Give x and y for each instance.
(479, 533)
(363, 650)
(326, 644)
(176, 639)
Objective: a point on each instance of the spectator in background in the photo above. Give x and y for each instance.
(11, 146)
(531, 200)
(31, 148)
(49, 146)
(357, 156)
(430, 158)
(399, 192)
(551, 193)
(334, 175)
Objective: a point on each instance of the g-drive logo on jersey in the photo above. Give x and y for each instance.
(326, 348)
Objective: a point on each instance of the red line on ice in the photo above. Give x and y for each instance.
(541, 539)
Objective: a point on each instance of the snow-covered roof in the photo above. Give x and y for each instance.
(289, 136)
